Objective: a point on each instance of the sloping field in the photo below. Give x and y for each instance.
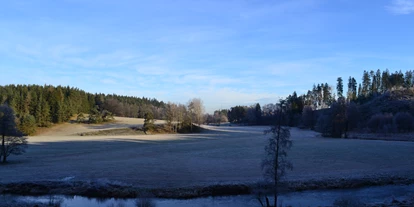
(66, 129)
(220, 155)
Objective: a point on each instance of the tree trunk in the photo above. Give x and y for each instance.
(267, 202)
(3, 149)
(277, 158)
(276, 166)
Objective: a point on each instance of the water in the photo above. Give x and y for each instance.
(302, 199)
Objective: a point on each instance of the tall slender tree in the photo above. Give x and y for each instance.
(366, 84)
(340, 87)
(275, 163)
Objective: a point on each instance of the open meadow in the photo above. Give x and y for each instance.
(219, 155)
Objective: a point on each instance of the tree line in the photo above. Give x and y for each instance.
(40, 106)
(336, 112)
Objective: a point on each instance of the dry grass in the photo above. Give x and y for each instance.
(73, 128)
(220, 155)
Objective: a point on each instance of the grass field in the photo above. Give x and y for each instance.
(219, 155)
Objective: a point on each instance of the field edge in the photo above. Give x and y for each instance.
(106, 189)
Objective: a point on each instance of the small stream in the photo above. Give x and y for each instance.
(377, 194)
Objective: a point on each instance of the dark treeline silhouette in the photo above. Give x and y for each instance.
(40, 106)
(382, 102)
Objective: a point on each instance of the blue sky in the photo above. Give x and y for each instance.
(226, 52)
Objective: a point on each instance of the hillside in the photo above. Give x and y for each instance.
(394, 101)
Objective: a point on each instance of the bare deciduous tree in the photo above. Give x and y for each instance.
(196, 108)
(12, 141)
(275, 163)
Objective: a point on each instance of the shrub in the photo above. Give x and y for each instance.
(381, 123)
(81, 118)
(404, 121)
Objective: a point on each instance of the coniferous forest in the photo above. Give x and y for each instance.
(40, 106)
(382, 102)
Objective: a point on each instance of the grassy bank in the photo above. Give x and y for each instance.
(115, 190)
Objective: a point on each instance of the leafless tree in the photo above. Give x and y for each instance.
(12, 140)
(275, 163)
(171, 116)
(196, 109)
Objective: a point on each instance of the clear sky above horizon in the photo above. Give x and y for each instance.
(226, 52)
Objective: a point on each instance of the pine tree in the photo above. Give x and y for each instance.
(408, 83)
(385, 81)
(340, 87)
(366, 83)
(149, 122)
(352, 89)
(373, 88)
(45, 118)
(379, 81)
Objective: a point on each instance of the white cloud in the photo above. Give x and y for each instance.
(401, 7)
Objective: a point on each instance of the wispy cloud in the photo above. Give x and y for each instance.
(401, 7)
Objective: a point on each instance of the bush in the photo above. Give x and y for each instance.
(404, 121)
(382, 123)
(81, 118)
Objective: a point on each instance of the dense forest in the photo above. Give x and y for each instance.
(382, 102)
(41, 106)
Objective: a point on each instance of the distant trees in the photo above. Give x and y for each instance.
(171, 116)
(218, 117)
(308, 117)
(97, 116)
(55, 104)
(332, 122)
(180, 118)
(352, 89)
(251, 115)
(196, 109)
(149, 122)
(237, 114)
(336, 121)
(319, 108)
(12, 141)
(389, 123)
